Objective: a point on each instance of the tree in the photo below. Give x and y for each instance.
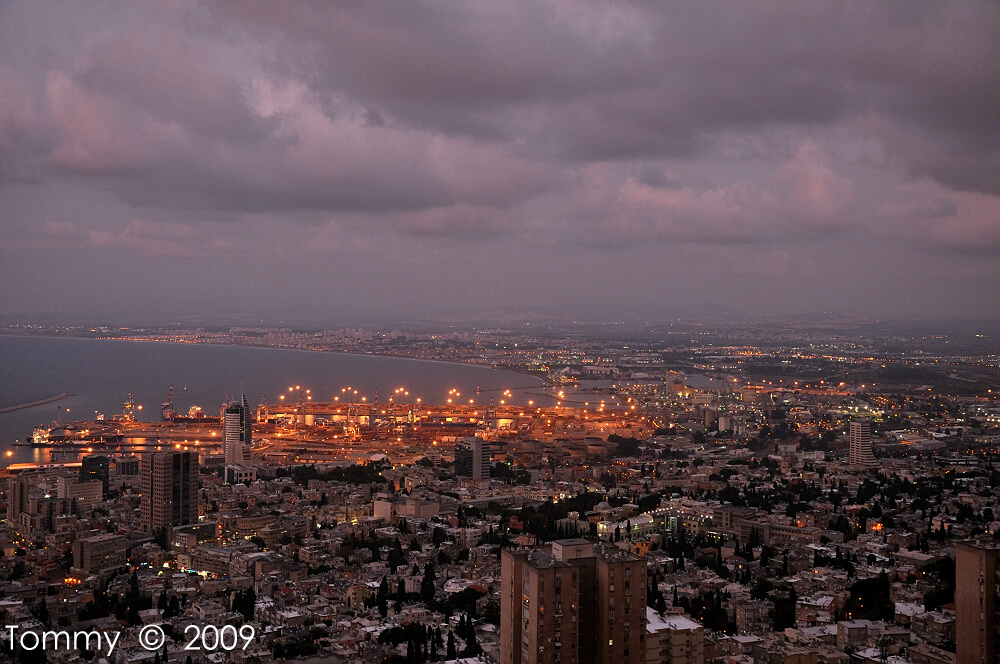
(243, 603)
(784, 610)
(452, 652)
(870, 599)
(36, 656)
(396, 556)
(42, 613)
(427, 584)
(382, 598)
(472, 647)
(174, 608)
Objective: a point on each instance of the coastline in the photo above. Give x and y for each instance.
(545, 381)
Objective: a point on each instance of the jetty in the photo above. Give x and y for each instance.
(32, 404)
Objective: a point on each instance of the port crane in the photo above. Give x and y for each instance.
(128, 409)
(167, 407)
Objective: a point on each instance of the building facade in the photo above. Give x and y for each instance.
(472, 458)
(101, 553)
(169, 490)
(17, 498)
(572, 602)
(237, 432)
(96, 467)
(861, 444)
(977, 602)
(87, 495)
(673, 639)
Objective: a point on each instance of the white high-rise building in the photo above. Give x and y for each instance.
(861, 444)
(237, 432)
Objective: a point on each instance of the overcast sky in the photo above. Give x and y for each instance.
(378, 159)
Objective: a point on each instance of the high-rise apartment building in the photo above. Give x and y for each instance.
(472, 458)
(572, 602)
(17, 498)
(977, 588)
(169, 490)
(861, 444)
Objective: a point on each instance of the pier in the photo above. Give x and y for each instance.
(40, 402)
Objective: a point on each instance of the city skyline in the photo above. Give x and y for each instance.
(303, 162)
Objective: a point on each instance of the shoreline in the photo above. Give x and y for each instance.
(546, 382)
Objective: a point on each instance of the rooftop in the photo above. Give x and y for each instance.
(655, 622)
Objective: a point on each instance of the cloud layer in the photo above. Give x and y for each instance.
(540, 137)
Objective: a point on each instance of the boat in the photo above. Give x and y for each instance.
(40, 437)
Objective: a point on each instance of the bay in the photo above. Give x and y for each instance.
(102, 373)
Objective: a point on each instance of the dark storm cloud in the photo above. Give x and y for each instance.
(786, 127)
(647, 79)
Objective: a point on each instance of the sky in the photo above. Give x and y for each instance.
(369, 160)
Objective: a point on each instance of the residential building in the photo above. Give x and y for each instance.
(101, 553)
(572, 602)
(169, 490)
(977, 586)
(673, 639)
(472, 458)
(17, 498)
(861, 444)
